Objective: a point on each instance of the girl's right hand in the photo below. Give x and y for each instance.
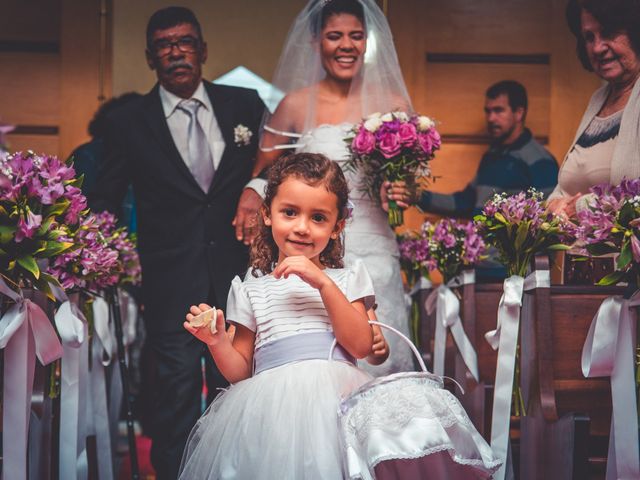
(204, 333)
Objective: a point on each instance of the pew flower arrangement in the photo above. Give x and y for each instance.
(40, 206)
(104, 256)
(519, 227)
(611, 224)
(416, 264)
(394, 146)
(453, 246)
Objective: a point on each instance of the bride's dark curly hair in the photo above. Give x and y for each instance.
(313, 169)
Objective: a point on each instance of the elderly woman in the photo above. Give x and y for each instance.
(606, 147)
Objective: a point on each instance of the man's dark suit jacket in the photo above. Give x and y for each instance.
(186, 241)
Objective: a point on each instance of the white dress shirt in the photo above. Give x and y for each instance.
(178, 122)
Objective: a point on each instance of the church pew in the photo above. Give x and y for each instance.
(564, 434)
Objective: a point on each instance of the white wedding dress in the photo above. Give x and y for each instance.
(369, 237)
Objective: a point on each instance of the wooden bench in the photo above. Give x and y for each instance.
(565, 433)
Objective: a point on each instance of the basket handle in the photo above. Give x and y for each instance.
(401, 335)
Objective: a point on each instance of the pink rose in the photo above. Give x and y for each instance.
(425, 142)
(635, 248)
(407, 134)
(435, 138)
(390, 145)
(364, 142)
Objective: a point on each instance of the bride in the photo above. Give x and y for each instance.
(339, 65)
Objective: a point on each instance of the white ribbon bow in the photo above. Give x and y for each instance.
(447, 307)
(98, 418)
(609, 352)
(73, 330)
(24, 330)
(505, 339)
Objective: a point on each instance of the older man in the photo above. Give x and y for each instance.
(179, 146)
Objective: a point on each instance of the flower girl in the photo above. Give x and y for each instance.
(279, 418)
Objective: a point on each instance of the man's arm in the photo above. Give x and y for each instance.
(113, 173)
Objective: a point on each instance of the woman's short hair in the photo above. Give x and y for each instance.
(614, 16)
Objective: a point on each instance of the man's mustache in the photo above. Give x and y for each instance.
(178, 64)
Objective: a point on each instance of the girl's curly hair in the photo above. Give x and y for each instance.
(313, 169)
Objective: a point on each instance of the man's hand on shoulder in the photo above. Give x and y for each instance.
(246, 219)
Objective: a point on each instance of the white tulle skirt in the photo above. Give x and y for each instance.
(280, 424)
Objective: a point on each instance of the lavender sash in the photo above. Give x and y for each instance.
(295, 348)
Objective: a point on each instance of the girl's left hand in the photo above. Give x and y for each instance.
(304, 268)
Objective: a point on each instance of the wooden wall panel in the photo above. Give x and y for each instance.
(30, 88)
(487, 26)
(48, 144)
(31, 20)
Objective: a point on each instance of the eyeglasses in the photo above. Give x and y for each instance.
(163, 48)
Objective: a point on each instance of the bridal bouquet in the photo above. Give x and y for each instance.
(519, 227)
(40, 205)
(611, 224)
(394, 146)
(453, 246)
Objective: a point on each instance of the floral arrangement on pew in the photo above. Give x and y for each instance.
(611, 225)
(394, 146)
(454, 248)
(104, 256)
(416, 264)
(518, 227)
(40, 205)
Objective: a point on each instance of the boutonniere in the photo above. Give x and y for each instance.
(242, 135)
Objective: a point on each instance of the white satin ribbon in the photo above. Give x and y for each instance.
(609, 352)
(72, 327)
(447, 307)
(98, 414)
(505, 339)
(25, 330)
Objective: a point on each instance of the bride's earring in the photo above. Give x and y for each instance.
(334, 236)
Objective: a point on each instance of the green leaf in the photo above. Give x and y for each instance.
(598, 249)
(42, 285)
(499, 216)
(45, 226)
(521, 235)
(54, 248)
(612, 278)
(7, 233)
(625, 256)
(29, 264)
(59, 207)
(558, 247)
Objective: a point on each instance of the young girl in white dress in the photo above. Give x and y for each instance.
(338, 65)
(279, 418)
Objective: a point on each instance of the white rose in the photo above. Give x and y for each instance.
(425, 123)
(374, 115)
(387, 117)
(402, 116)
(372, 124)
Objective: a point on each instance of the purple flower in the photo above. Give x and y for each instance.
(635, 248)
(364, 142)
(28, 226)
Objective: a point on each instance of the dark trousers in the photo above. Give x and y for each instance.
(176, 395)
